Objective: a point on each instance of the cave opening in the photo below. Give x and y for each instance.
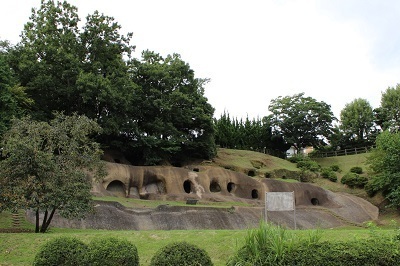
(187, 186)
(254, 194)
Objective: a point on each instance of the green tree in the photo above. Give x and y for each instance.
(389, 112)
(67, 70)
(13, 99)
(301, 120)
(104, 86)
(384, 161)
(46, 61)
(255, 134)
(46, 167)
(357, 122)
(173, 118)
(224, 131)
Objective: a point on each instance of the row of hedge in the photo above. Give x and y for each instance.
(329, 253)
(266, 245)
(113, 251)
(271, 245)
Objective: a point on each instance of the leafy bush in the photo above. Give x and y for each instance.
(308, 164)
(265, 245)
(273, 245)
(329, 174)
(61, 251)
(373, 186)
(354, 180)
(306, 176)
(368, 252)
(180, 253)
(112, 251)
(356, 170)
(335, 168)
(295, 158)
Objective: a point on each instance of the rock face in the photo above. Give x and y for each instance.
(315, 207)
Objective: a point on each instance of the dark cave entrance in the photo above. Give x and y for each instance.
(215, 187)
(315, 201)
(231, 187)
(117, 188)
(254, 194)
(187, 186)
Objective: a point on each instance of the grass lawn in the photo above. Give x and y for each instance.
(20, 248)
(243, 160)
(345, 163)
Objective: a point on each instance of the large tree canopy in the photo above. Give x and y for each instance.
(173, 119)
(301, 120)
(71, 70)
(104, 85)
(45, 167)
(46, 61)
(357, 122)
(155, 105)
(13, 99)
(389, 112)
(385, 163)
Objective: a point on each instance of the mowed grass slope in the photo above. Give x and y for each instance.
(345, 163)
(243, 161)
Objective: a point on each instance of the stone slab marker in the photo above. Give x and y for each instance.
(280, 201)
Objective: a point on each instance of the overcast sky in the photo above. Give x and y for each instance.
(254, 51)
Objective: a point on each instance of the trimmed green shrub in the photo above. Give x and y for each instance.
(356, 170)
(273, 245)
(335, 168)
(354, 180)
(61, 251)
(295, 158)
(112, 251)
(329, 174)
(368, 252)
(181, 253)
(306, 176)
(308, 164)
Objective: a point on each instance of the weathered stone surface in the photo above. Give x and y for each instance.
(315, 207)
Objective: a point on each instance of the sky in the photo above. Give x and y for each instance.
(257, 50)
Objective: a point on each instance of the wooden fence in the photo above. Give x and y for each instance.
(344, 152)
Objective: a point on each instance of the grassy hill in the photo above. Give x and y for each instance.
(259, 163)
(245, 161)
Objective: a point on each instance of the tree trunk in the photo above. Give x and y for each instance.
(46, 222)
(37, 221)
(42, 229)
(49, 220)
